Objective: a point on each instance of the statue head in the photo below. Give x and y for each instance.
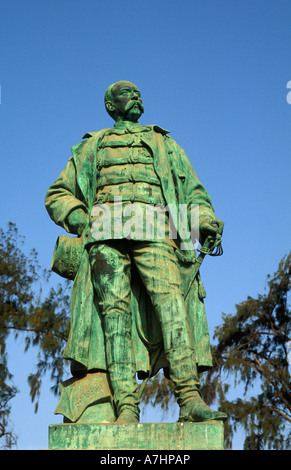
(123, 101)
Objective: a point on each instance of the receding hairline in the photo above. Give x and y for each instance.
(108, 93)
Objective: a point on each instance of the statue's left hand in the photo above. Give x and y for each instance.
(211, 227)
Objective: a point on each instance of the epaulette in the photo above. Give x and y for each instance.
(160, 130)
(91, 134)
(88, 135)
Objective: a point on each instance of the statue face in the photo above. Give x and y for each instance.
(127, 101)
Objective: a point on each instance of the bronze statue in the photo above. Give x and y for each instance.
(137, 297)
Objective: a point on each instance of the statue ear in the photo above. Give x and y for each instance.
(109, 105)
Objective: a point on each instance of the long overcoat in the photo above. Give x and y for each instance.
(76, 187)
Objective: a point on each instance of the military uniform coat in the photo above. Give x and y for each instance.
(76, 188)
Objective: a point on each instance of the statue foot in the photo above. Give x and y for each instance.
(128, 416)
(196, 410)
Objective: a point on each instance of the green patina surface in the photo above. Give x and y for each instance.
(137, 304)
(142, 436)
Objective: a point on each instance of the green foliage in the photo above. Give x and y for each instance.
(17, 274)
(43, 323)
(252, 350)
(251, 356)
(159, 391)
(7, 392)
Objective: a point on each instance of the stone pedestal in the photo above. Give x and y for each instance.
(143, 436)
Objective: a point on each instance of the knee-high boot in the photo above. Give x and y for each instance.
(182, 363)
(121, 366)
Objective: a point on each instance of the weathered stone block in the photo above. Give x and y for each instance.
(142, 436)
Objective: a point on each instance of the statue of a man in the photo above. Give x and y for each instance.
(129, 288)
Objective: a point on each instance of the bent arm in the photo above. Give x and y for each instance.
(62, 203)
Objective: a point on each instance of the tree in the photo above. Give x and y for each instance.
(253, 350)
(16, 277)
(44, 323)
(7, 392)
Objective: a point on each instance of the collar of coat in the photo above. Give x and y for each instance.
(120, 128)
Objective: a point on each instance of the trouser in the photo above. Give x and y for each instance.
(158, 268)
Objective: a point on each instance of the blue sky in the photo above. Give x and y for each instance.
(212, 72)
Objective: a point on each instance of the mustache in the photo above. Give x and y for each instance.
(132, 103)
